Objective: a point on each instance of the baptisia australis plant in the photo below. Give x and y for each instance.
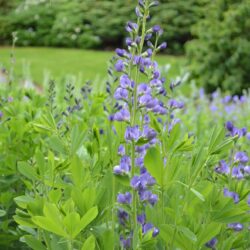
(237, 170)
(138, 99)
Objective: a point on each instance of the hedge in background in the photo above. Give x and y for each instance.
(96, 24)
(220, 54)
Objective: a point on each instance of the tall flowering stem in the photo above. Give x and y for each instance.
(135, 102)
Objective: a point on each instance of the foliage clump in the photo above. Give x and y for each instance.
(220, 54)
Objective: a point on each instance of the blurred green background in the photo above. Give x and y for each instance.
(211, 37)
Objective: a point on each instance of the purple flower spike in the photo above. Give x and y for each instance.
(1, 114)
(241, 157)
(223, 168)
(119, 66)
(211, 243)
(233, 195)
(248, 200)
(124, 198)
(132, 133)
(235, 226)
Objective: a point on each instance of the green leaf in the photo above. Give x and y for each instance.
(154, 164)
(56, 144)
(77, 170)
(2, 213)
(195, 192)
(51, 221)
(27, 170)
(33, 242)
(208, 232)
(86, 219)
(215, 139)
(89, 244)
(77, 138)
(188, 233)
(70, 221)
(124, 180)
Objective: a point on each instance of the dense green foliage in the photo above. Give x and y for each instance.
(57, 182)
(95, 24)
(220, 54)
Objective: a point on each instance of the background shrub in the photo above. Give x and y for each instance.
(220, 54)
(95, 24)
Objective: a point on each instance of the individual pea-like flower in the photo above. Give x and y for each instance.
(119, 66)
(212, 243)
(121, 94)
(247, 170)
(123, 216)
(138, 12)
(143, 88)
(125, 242)
(141, 218)
(233, 195)
(124, 198)
(248, 136)
(131, 27)
(124, 167)
(125, 82)
(1, 114)
(162, 46)
(222, 168)
(121, 52)
(121, 150)
(122, 115)
(235, 226)
(132, 133)
(241, 157)
(148, 132)
(226, 99)
(233, 131)
(139, 162)
(237, 172)
(148, 227)
(175, 104)
(148, 196)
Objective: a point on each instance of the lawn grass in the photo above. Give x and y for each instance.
(35, 62)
